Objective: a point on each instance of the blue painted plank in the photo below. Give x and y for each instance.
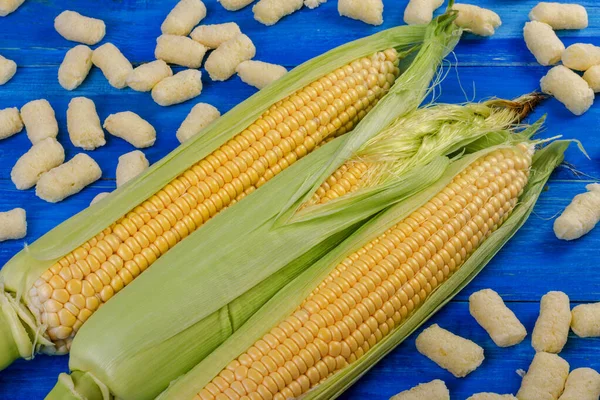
(530, 265)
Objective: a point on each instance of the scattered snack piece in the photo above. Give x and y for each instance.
(434, 390)
(368, 11)
(480, 21)
(492, 396)
(585, 320)
(568, 88)
(178, 88)
(451, 352)
(212, 36)
(592, 77)
(8, 69)
(131, 128)
(312, 4)
(39, 159)
(269, 12)
(259, 74)
(83, 124)
(68, 179)
(75, 67)
(545, 378)
(179, 50)
(146, 76)
(581, 216)
(222, 62)
(552, 326)
(421, 11)
(543, 43)
(99, 197)
(10, 122)
(115, 67)
(184, 17)
(9, 6)
(40, 120)
(581, 56)
(131, 165)
(582, 384)
(488, 308)
(78, 28)
(560, 16)
(13, 224)
(200, 117)
(234, 5)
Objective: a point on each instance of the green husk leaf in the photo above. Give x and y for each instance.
(286, 301)
(23, 269)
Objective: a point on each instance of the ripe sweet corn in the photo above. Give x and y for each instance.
(90, 275)
(375, 288)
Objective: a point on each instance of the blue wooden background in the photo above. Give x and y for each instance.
(533, 263)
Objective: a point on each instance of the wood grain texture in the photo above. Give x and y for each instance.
(533, 263)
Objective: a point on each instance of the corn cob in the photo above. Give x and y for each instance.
(69, 292)
(378, 286)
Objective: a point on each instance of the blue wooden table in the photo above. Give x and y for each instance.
(533, 263)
